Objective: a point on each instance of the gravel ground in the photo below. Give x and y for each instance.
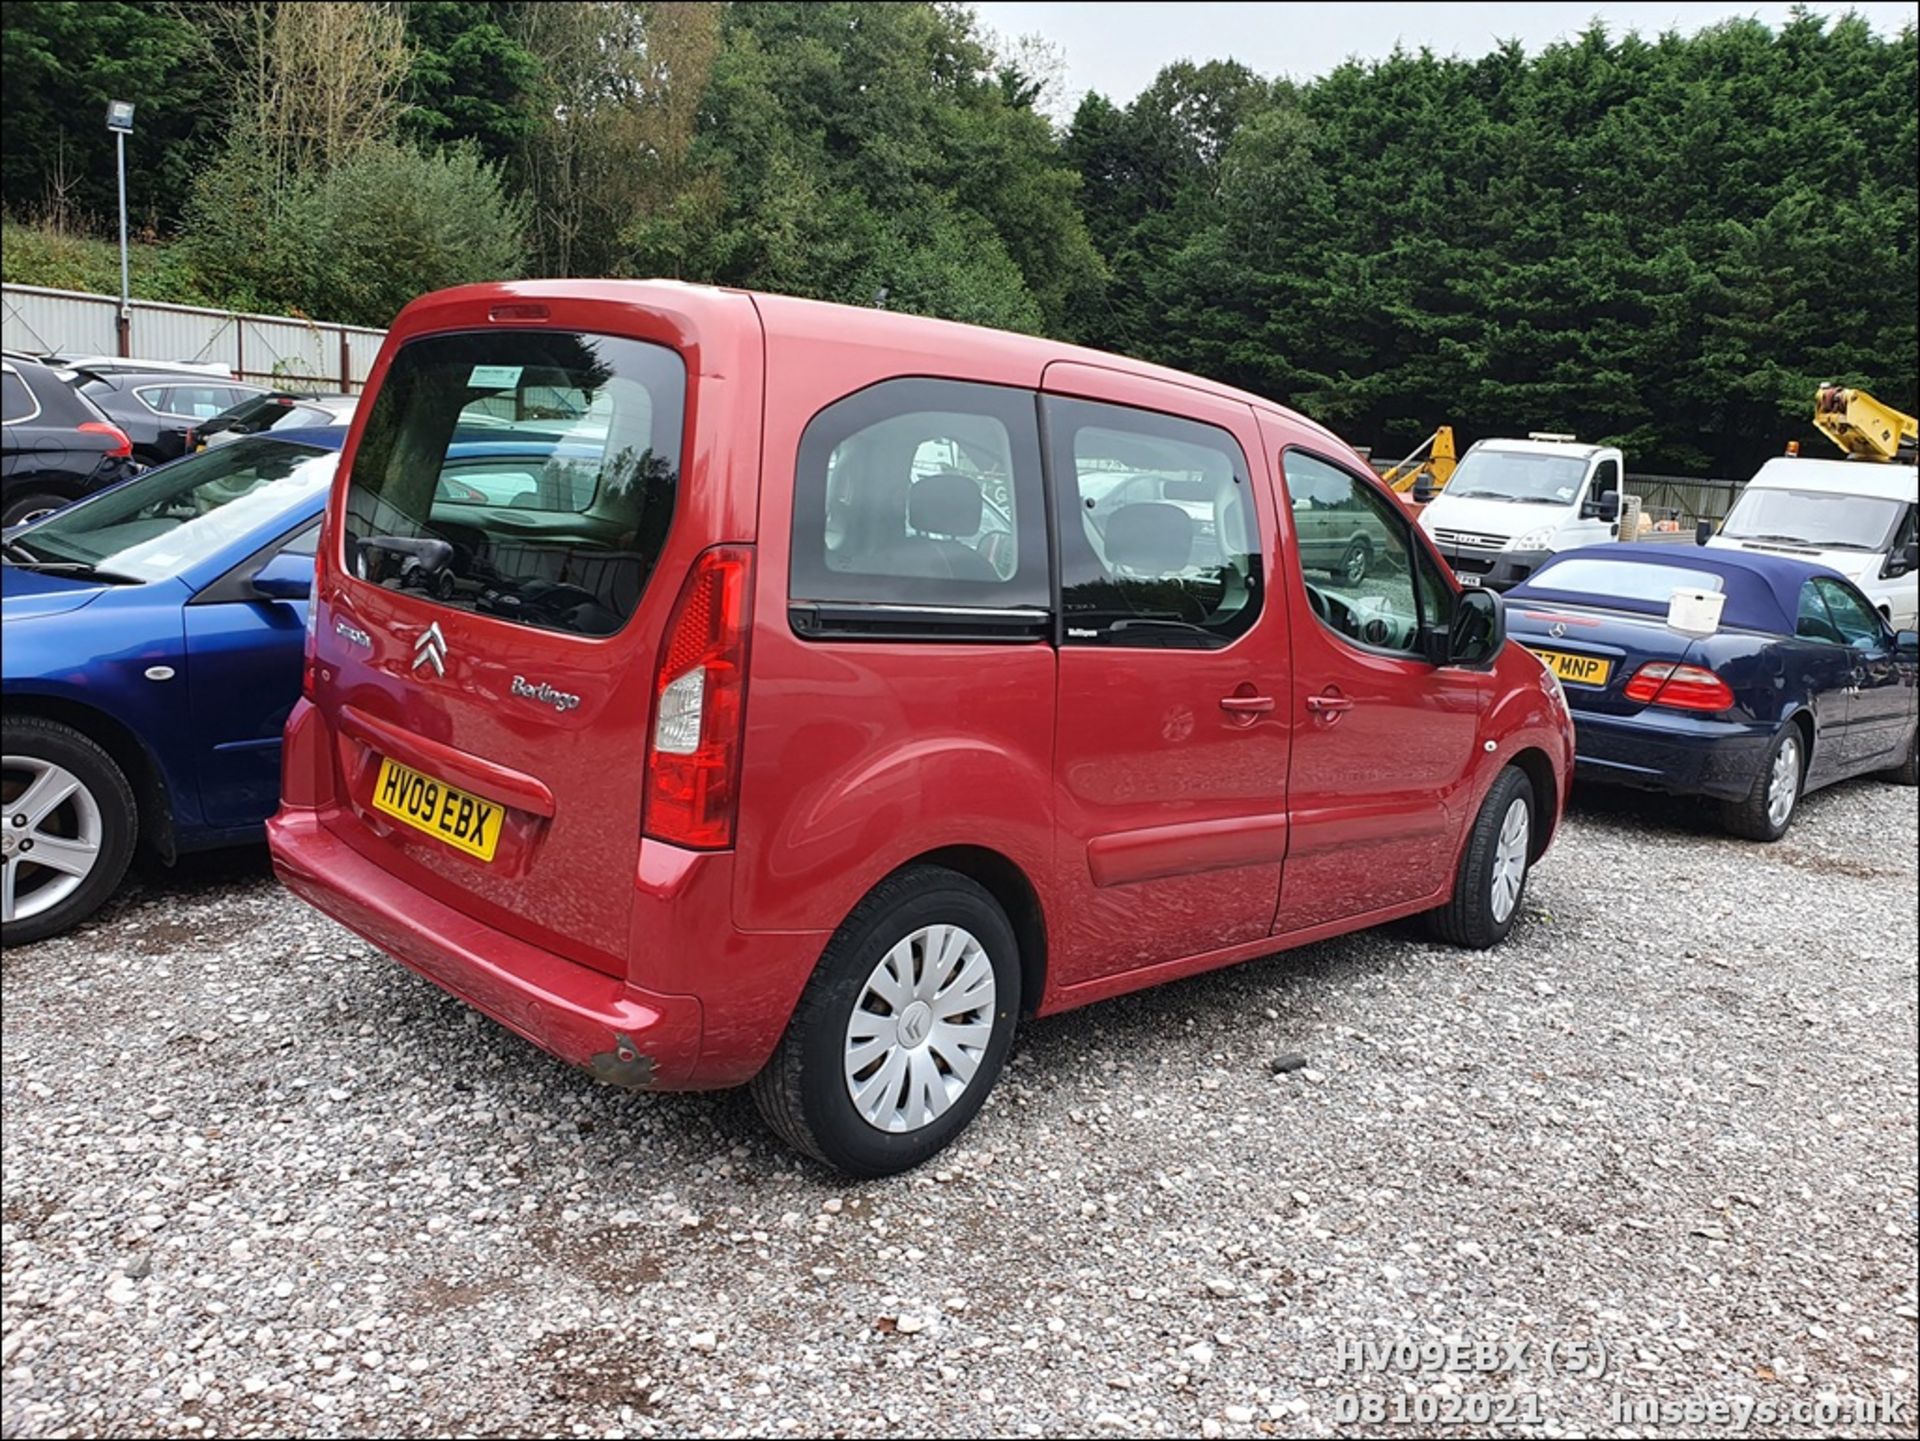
(259, 1180)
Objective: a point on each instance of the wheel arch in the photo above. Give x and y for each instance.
(127, 751)
(1015, 894)
(1532, 762)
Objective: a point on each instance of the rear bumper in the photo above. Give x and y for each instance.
(616, 1031)
(1671, 751)
(1494, 569)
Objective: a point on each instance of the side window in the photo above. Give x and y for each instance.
(16, 401)
(1606, 478)
(1813, 622)
(1366, 579)
(1909, 529)
(1857, 621)
(1159, 539)
(922, 493)
(157, 398)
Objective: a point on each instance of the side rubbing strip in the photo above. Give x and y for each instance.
(843, 621)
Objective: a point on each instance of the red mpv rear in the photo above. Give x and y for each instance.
(720, 688)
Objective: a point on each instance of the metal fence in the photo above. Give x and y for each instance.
(271, 349)
(1684, 498)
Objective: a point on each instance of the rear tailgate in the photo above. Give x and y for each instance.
(486, 656)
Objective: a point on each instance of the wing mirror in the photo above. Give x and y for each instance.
(1607, 507)
(1906, 645)
(1703, 532)
(1478, 630)
(1423, 488)
(285, 577)
(1903, 560)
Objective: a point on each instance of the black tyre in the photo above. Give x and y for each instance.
(1907, 773)
(1355, 562)
(902, 1030)
(1493, 872)
(67, 826)
(19, 509)
(1768, 809)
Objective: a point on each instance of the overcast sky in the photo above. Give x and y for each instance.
(1117, 48)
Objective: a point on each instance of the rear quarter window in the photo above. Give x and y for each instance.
(922, 493)
(529, 476)
(16, 401)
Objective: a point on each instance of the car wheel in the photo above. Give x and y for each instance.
(1768, 808)
(1493, 872)
(1355, 564)
(67, 827)
(32, 506)
(902, 1030)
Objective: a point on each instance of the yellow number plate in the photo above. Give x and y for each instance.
(463, 821)
(1576, 669)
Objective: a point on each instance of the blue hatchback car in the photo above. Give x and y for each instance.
(1801, 684)
(153, 636)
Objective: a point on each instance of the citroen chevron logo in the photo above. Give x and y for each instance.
(431, 649)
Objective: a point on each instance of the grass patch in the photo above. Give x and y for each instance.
(35, 255)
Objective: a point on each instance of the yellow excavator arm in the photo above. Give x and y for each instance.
(1434, 455)
(1865, 428)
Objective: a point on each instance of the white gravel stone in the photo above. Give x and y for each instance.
(212, 1082)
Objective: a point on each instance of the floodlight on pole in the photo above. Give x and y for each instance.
(120, 122)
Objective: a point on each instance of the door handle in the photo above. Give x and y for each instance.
(1247, 704)
(1328, 705)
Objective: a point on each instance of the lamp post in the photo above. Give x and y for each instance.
(120, 122)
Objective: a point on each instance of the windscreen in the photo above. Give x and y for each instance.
(1822, 518)
(176, 516)
(1519, 475)
(528, 475)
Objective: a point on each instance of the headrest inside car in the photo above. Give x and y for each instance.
(1150, 538)
(945, 503)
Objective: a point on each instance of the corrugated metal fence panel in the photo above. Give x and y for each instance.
(268, 348)
(43, 321)
(1683, 497)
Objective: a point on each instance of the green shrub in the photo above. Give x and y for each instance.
(393, 223)
(358, 243)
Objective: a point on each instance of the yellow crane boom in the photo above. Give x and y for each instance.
(1865, 428)
(1434, 455)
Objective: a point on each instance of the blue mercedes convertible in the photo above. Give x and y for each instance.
(1800, 684)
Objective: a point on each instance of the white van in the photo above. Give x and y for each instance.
(1854, 516)
(1513, 503)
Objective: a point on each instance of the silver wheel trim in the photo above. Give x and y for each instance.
(1783, 782)
(1510, 858)
(43, 865)
(1354, 568)
(919, 1029)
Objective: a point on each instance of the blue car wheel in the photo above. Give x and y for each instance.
(67, 827)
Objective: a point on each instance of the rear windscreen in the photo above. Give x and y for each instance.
(527, 475)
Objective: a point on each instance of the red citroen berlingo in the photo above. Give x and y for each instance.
(726, 689)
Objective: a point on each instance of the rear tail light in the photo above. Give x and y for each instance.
(122, 447)
(1679, 687)
(699, 707)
